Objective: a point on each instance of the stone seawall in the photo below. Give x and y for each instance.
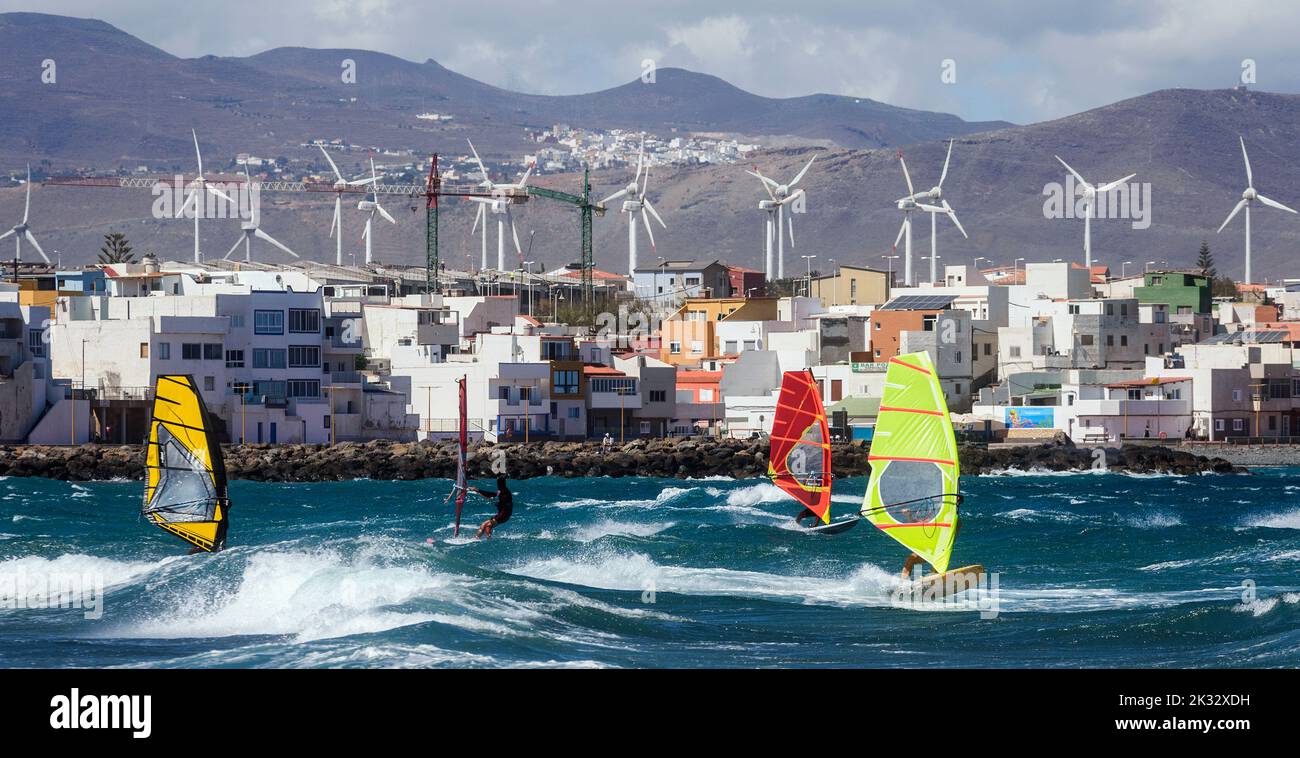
(680, 458)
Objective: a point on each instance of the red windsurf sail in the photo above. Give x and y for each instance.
(799, 461)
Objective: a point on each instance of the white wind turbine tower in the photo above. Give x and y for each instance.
(637, 203)
(907, 205)
(1247, 196)
(780, 195)
(926, 201)
(196, 196)
(1090, 195)
(21, 231)
(340, 185)
(251, 228)
(503, 196)
(373, 206)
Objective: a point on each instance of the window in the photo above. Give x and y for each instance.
(706, 396)
(36, 342)
(853, 290)
(144, 349)
(304, 356)
(927, 323)
(1110, 340)
(658, 396)
(304, 320)
(326, 419)
(877, 326)
(957, 389)
(237, 321)
(268, 358)
(1236, 396)
(1218, 425)
(1135, 394)
(1014, 351)
(525, 394)
(957, 359)
(675, 348)
(575, 412)
(503, 393)
(1123, 309)
(1184, 310)
(1238, 425)
(209, 383)
(191, 351)
(697, 346)
(988, 348)
(1085, 339)
(730, 347)
(1123, 340)
(164, 351)
(268, 322)
(1295, 387)
(1160, 348)
(1074, 310)
(564, 382)
(612, 385)
(234, 359)
(212, 351)
(304, 388)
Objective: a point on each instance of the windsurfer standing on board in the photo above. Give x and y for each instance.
(505, 507)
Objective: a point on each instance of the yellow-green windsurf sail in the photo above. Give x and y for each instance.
(912, 495)
(185, 476)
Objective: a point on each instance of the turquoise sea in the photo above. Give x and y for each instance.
(1097, 569)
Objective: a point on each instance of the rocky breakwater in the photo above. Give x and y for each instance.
(680, 458)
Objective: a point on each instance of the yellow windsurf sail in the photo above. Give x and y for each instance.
(185, 476)
(912, 495)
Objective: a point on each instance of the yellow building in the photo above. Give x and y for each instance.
(689, 335)
(852, 285)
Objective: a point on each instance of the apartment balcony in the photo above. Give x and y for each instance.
(1144, 407)
(613, 401)
(343, 379)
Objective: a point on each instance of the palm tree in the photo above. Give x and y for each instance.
(116, 249)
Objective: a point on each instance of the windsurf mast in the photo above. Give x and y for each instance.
(913, 492)
(185, 474)
(461, 486)
(799, 459)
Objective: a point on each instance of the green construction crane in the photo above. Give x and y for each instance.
(587, 209)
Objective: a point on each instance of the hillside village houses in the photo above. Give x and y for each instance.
(317, 353)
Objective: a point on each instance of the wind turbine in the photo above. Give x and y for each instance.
(637, 203)
(373, 206)
(22, 231)
(250, 227)
(926, 201)
(1248, 195)
(340, 186)
(907, 205)
(197, 189)
(503, 196)
(781, 195)
(1090, 194)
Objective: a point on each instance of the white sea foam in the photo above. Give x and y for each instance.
(609, 528)
(1284, 520)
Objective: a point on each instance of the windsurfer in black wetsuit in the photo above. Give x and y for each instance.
(505, 506)
(806, 513)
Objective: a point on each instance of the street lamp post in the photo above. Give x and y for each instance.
(1015, 270)
(808, 259)
(528, 269)
(890, 272)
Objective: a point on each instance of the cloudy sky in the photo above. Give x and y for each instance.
(1017, 61)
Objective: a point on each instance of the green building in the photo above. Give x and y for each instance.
(1182, 292)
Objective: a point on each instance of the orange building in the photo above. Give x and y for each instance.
(690, 334)
(894, 318)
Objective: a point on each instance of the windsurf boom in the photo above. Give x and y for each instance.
(185, 475)
(799, 459)
(913, 492)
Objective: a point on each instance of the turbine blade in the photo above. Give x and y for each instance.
(1112, 185)
(1082, 181)
(614, 196)
(28, 207)
(906, 175)
(1274, 204)
(901, 229)
(366, 231)
(234, 247)
(640, 160)
(338, 221)
(1250, 180)
(263, 235)
(478, 216)
(649, 232)
(519, 250)
(219, 194)
(1235, 209)
(799, 175)
(524, 181)
(6, 234)
(789, 225)
(654, 213)
(337, 174)
(944, 175)
(197, 154)
(768, 184)
(479, 161)
(385, 213)
(32, 239)
(953, 215)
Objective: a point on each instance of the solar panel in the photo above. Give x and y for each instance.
(1249, 336)
(919, 303)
